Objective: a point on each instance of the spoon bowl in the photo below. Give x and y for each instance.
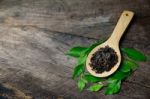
(112, 42)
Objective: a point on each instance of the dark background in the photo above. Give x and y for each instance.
(35, 34)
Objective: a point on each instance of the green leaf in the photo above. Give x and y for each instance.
(125, 67)
(78, 70)
(76, 51)
(134, 54)
(113, 87)
(94, 45)
(95, 87)
(81, 84)
(128, 65)
(82, 59)
(119, 75)
(98, 42)
(112, 80)
(91, 78)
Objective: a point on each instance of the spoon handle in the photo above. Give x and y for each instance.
(121, 26)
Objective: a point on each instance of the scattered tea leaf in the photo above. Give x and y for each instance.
(95, 87)
(76, 51)
(134, 54)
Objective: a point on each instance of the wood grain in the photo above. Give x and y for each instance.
(33, 60)
(92, 18)
(35, 34)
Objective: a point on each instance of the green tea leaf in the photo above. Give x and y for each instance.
(113, 87)
(128, 65)
(76, 51)
(95, 87)
(112, 80)
(78, 70)
(81, 84)
(91, 78)
(134, 54)
(98, 43)
(82, 59)
(125, 68)
(119, 75)
(94, 45)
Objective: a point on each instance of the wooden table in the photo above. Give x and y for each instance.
(35, 34)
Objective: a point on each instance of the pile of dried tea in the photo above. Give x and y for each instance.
(103, 59)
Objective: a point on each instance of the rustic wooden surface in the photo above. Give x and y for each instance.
(35, 34)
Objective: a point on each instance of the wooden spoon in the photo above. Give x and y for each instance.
(112, 42)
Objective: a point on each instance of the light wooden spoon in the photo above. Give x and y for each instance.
(112, 42)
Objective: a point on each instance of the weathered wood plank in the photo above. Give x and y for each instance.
(92, 18)
(33, 61)
(35, 34)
